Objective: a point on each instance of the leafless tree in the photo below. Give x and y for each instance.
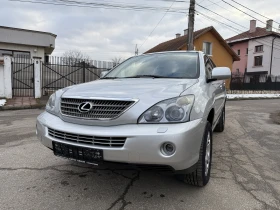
(117, 61)
(75, 57)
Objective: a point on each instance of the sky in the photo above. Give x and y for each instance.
(105, 34)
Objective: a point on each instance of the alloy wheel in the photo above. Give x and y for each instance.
(208, 154)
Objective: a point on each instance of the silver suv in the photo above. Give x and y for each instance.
(154, 110)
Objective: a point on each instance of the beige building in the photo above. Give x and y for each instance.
(23, 42)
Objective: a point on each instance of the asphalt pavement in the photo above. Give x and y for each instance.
(245, 171)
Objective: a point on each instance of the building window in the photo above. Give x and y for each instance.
(247, 51)
(21, 54)
(245, 70)
(6, 52)
(259, 48)
(14, 53)
(237, 71)
(258, 61)
(207, 48)
(238, 52)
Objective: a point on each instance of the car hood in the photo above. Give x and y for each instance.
(145, 91)
(142, 88)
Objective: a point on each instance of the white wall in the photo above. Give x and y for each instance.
(34, 51)
(267, 43)
(276, 58)
(27, 37)
(2, 88)
(6, 77)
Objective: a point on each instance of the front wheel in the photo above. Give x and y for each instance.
(200, 177)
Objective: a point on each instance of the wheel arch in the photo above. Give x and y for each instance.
(210, 116)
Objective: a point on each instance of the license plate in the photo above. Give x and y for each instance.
(81, 154)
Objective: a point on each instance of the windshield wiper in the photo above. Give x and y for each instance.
(143, 76)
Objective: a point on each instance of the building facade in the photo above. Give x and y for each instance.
(26, 43)
(258, 49)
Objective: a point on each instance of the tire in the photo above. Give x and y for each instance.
(221, 124)
(200, 177)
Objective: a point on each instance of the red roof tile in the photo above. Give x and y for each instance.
(180, 42)
(175, 44)
(260, 32)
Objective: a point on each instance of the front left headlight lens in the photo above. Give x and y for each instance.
(169, 111)
(50, 106)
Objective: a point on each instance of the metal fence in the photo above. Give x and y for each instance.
(56, 73)
(59, 72)
(254, 82)
(22, 76)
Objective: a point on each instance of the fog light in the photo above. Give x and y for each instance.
(168, 149)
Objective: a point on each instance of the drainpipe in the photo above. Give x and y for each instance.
(272, 55)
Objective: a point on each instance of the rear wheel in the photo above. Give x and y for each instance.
(200, 177)
(221, 124)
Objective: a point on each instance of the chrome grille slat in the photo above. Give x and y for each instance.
(91, 140)
(102, 109)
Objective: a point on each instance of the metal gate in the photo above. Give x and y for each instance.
(57, 75)
(23, 77)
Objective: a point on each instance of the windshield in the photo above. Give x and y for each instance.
(165, 65)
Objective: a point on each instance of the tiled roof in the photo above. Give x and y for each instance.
(260, 32)
(180, 42)
(177, 43)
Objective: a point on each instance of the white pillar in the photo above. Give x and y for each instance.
(8, 77)
(2, 87)
(37, 77)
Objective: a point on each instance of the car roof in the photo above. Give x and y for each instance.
(178, 51)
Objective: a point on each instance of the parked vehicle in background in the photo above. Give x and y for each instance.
(154, 110)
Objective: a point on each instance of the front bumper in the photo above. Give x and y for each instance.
(143, 143)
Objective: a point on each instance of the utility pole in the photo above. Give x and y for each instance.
(136, 50)
(191, 25)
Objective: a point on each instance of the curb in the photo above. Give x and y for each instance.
(242, 99)
(37, 106)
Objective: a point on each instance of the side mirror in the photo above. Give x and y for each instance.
(103, 73)
(221, 73)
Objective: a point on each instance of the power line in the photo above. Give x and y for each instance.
(231, 26)
(253, 10)
(220, 15)
(100, 5)
(246, 13)
(235, 30)
(216, 3)
(212, 3)
(157, 25)
(208, 17)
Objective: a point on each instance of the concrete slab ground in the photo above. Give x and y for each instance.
(245, 173)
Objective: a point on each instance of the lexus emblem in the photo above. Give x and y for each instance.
(85, 107)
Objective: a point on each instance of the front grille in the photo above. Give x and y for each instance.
(91, 140)
(101, 109)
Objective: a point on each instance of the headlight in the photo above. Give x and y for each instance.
(171, 110)
(50, 106)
